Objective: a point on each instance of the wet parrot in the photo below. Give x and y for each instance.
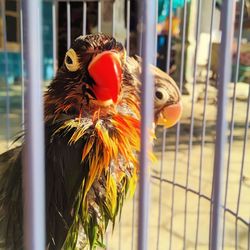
(92, 141)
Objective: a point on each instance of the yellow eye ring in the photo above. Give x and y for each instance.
(71, 60)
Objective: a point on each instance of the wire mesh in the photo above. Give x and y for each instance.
(181, 206)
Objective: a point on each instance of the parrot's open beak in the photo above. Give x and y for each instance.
(106, 70)
(170, 115)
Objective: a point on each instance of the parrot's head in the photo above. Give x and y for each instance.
(97, 75)
(167, 97)
(168, 105)
(90, 76)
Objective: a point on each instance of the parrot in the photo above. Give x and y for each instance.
(92, 141)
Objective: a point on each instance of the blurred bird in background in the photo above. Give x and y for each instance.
(92, 140)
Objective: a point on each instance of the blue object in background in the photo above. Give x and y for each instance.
(14, 66)
(163, 8)
(47, 41)
(14, 58)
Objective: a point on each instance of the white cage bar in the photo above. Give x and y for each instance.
(147, 10)
(34, 171)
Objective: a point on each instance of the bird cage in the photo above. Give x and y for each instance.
(196, 195)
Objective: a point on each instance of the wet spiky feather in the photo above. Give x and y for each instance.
(110, 154)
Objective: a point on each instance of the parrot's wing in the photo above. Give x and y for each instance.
(11, 199)
(65, 173)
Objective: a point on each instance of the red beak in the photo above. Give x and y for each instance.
(106, 70)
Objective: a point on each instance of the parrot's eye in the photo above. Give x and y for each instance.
(71, 60)
(161, 96)
(68, 60)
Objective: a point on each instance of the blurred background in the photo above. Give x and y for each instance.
(188, 46)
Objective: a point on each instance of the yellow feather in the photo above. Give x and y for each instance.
(111, 194)
(87, 147)
(120, 144)
(132, 184)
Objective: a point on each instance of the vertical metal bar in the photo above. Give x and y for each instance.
(34, 177)
(183, 42)
(147, 8)
(156, 31)
(99, 16)
(168, 57)
(242, 167)
(160, 192)
(68, 25)
(183, 39)
(55, 35)
(231, 136)
(163, 143)
(107, 241)
(113, 33)
(128, 52)
(139, 33)
(128, 27)
(120, 236)
(248, 243)
(169, 35)
(133, 223)
(140, 38)
(190, 146)
(227, 18)
(22, 63)
(6, 72)
(84, 18)
(204, 121)
(139, 52)
(211, 214)
(113, 17)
